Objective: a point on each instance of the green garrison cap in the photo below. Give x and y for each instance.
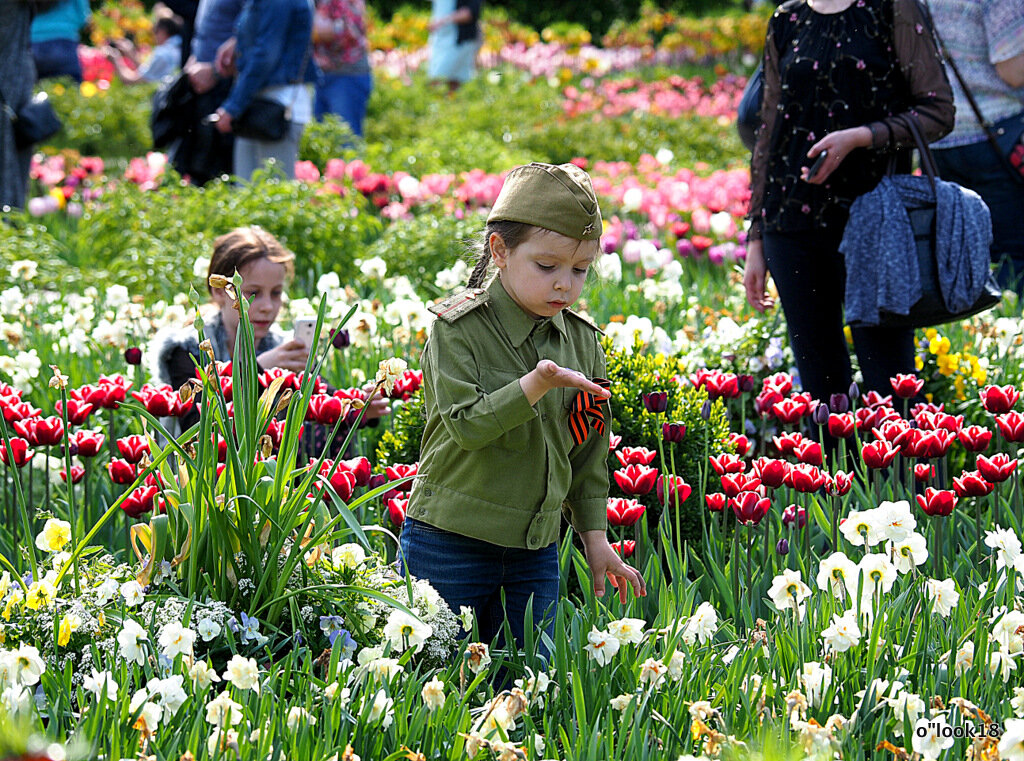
(559, 198)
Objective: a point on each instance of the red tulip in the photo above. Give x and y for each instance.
(794, 514)
(77, 473)
(715, 501)
(407, 384)
(924, 471)
(289, 379)
(839, 484)
(678, 490)
(749, 507)
(671, 433)
(878, 454)
(945, 421)
(718, 383)
(787, 443)
(656, 401)
(971, 484)
(78, 411)
(866, 418)
(727, 463)
(906, 386)
(626, 548)
(139, 501)
(734, 483)
(614, 441)
(893, 431)
(789, 411)
(997, 468)
(772, 472)
(780, 382)
(360, 468)
(974, 438)
(766, 400)
(636, 479)
(635, 456)
(343, 481)
(16, 451)
(927, 444)
(89, 443)
(121, 471)
(624, 512)
(324, 409)
(937, 501)
(741, 442)
(1011, 426)
(133, 447)
(162, 401)
(999, 399)
(15, 410)
(394, 472)
(875, 399)
(808, 452)
(275, 430)
(396, 510)
(806, 478)
(841, 426)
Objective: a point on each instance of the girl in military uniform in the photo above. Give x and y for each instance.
(517, 428)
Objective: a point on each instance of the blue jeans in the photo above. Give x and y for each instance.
(345, 95)
(976, 166)
(57, 58)
(471, 572)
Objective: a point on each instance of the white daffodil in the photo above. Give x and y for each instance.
(943, 595)
(405, 631)
(908, 552)
(628, 630)
(843, 633)
(652, 671)
(788, 590)
(816, 679)
(838, 574)
(466, 618)
(621, 702)
(1011, 743)
(223, 743)
(389, 371)
(932, 736)
(1001, 663)
(202, 675)
(896, 520)
(25, 665)
(100, 684)
(863, 527)
(601, 646)
(381, 709)
(222, 711)
(349, 555)
(433, 694)
(964, 658)
(131, 639)
(175, 639)
(1017, 702)
(299, 716)
(243, 673)
(1006, 545)
(878, 573)
(906, 704)
(701, 626)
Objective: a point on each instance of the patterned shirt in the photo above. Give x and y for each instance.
(346, 48)
(979, 34)
(862, 66)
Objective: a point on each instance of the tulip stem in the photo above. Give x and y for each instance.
(670, 490)
(750, 585)
(977, 531)
(939, 553)
(735, 566)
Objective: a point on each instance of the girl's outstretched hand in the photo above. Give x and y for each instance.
(548, 375)
(604, 561)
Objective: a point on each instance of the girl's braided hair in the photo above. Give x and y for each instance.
(513, 233)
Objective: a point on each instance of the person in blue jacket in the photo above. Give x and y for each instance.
(55, 39)
(271, 56)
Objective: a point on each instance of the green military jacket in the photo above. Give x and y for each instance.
(493, 467)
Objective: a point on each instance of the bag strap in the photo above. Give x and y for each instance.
(927, 160)
(985, 124)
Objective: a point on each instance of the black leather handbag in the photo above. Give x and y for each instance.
(34, 122)
(931, 308)
(174, 106)
(263, 119)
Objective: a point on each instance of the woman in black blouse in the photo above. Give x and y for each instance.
(837, 74)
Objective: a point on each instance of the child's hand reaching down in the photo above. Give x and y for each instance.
(604, 561)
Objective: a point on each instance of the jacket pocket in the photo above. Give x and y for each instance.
(492, 379)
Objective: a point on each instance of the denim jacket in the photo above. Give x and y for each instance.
(273, 37)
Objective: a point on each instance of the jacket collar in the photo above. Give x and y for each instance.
(517, 323)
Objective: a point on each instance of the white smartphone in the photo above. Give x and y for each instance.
(304, 328)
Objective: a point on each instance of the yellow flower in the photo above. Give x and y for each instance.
(931, 333)
(88, 89)
(939, 345)
(918, 364)
(948, 364)
(848, 333)
(68, 624)
(980, 376)
(40, 595)
(55, 534)
(15, 599)
(958, 384)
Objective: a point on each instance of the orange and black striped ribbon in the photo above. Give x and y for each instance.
(587, 412)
